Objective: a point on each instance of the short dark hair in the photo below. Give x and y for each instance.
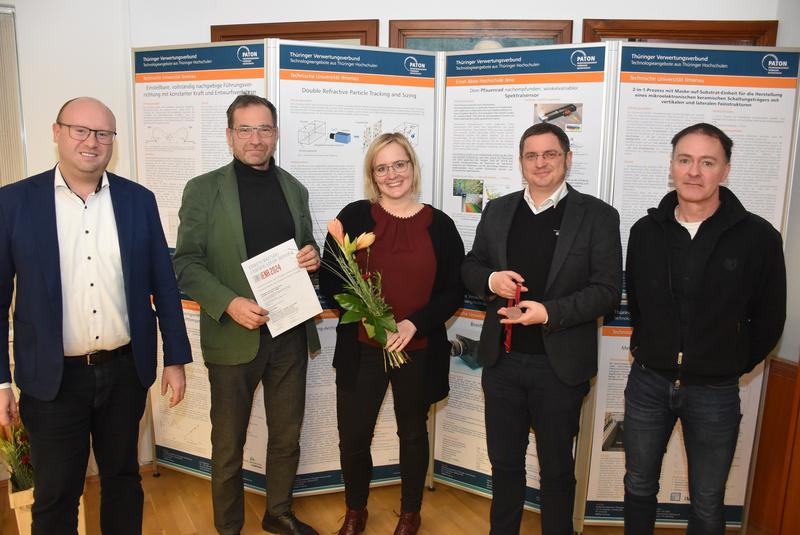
(708, 130)
(243, 101)
(545, 128)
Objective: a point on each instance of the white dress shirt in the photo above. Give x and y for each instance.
(550, 202)
(95, 313)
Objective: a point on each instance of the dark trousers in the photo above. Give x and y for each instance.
(280, 365)
(522, 391)
(105, 402)
(710, 417)
(357, 412)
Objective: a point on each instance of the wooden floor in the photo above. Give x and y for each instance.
(180, 504)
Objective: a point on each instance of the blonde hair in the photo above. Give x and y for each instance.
(370, 187)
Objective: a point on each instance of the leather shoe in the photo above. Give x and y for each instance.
(355, 521)
(286, 524)
(408, 524)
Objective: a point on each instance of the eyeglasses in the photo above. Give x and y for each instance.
(264, 131)
(548, 155)
(400, 166)
(82, 133)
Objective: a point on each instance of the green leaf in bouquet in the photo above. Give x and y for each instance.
(351, 302)
(375, 330)
(380, 336)
(387, 322)
(351, 316)
(369, 327)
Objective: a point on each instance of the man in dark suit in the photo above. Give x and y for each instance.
(88, 254)
(548, 262)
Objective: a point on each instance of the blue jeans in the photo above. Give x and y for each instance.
(710, 417)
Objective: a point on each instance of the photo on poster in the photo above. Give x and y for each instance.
(566, 115)
(613, 431)
(471, 192)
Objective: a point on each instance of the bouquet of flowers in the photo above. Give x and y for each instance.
(15, 451)
(362, 300)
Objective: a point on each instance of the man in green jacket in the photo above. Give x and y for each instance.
(227, 216)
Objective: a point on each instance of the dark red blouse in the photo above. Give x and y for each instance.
(403, 254)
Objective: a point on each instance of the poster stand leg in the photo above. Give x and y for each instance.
(431, 441)
(149, 414)
(583, 456)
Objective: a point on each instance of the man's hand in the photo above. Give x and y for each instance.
(504, 283)
(8, 406)
(533, 313)
(398, 341)
(247, 313)
(308, 258)
(175, 378)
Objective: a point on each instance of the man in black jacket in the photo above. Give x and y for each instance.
(706, 284)
(557, 251)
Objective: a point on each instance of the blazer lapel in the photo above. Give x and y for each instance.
(229, 196)
(42, 208)
(123, 216)
(570, 224)
(504, 221)
(293, 202)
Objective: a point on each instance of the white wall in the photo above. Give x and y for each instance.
(789, 10)
(196, 17)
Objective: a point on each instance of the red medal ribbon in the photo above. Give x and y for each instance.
(511, 303)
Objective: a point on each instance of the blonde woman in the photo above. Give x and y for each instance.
(418, 252)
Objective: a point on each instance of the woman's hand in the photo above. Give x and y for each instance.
(398, 341)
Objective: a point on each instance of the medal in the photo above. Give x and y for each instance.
(513, 313)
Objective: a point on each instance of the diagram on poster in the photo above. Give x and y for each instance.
(335, 102)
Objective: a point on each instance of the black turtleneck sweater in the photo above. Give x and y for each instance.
(266, 219)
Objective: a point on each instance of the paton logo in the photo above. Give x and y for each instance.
(773, 65)
(413, 66)
(246, 56)
(581, 60)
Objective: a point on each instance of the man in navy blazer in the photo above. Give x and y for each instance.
(93, 274)
(556, 252)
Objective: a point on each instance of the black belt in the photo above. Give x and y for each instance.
(98, 357)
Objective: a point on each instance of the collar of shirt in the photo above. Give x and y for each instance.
(59, 181)
(551, 202)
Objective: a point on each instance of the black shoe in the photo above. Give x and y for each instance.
(286, 524)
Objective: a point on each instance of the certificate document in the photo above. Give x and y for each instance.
(282, 287)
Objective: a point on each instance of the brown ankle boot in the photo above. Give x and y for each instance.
(408, 524)
(354, 522)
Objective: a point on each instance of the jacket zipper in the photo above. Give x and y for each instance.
(680, 369)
